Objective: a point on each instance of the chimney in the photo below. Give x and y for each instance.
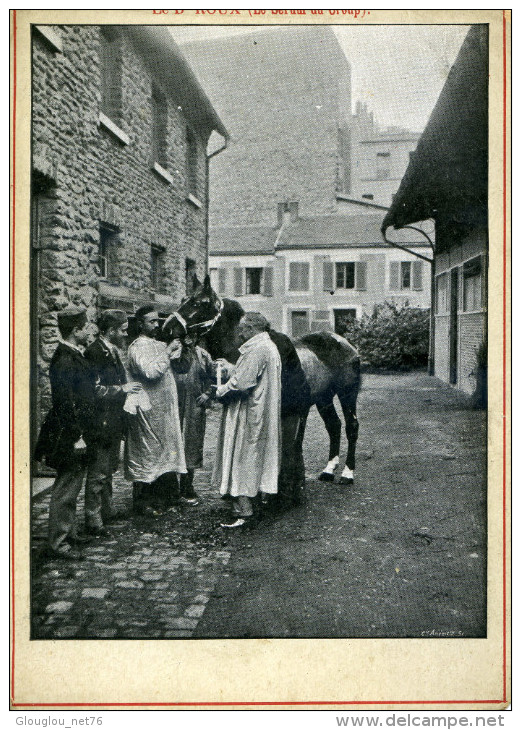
(287, 212)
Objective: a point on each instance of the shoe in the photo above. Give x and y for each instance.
(99, 531)
(79, 539)
(190, 500)
(64, 553)
(239, 522)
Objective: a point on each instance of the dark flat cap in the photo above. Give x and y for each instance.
(75, 316)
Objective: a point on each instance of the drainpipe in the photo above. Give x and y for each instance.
(207, 190)
(430, 361)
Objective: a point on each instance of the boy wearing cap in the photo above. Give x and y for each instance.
(111, 388)
(67, 430)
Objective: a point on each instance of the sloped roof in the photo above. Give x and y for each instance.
(242, 240)
(340, 231)
(448, 172)
(175, 74)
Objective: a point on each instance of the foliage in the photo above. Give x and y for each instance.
(392, 337)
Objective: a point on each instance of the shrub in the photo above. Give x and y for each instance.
(392, 338)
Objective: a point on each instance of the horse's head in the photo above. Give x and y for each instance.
(196, 314)
(221, 339)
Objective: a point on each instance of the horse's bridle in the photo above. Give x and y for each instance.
(201, 328)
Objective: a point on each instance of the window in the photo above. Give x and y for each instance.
(345, 276)
(157, 256)
(299, 323)
(111, 64)
(383, 165)
(441, 294)
(191, 162)
(298, 276)
(254, 281)
(159, 127)
(406, 275)
(189, 275)
(108, 241)
(472, 290)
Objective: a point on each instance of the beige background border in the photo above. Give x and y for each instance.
(364, 674)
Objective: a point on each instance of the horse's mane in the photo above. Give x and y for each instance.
(232, 310)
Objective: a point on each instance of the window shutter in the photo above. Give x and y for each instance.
(328, 276)
(268, 281)
(304, 281)
(417, 275)
(394, 279)
(222, 281)
(238, 281)
(294, 283)
(361, 275)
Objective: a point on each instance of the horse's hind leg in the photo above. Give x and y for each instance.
(334, 429)
(348, 404)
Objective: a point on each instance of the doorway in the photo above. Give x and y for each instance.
(453, 326)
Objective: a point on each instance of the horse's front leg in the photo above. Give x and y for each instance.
(334, 429)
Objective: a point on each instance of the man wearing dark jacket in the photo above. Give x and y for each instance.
(67, 430)
(111, 387)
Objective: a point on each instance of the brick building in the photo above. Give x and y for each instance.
(119, 176)
(313, 273)
(285, 96)
(447, 180)
(379, 158)
(283, 193)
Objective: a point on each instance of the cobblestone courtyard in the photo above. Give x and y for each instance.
(400, 553)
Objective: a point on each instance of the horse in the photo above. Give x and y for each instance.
(330, 363)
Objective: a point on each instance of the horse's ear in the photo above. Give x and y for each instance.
(195, 282)
(207, 285)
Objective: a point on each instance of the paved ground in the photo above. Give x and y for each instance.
(400, 553)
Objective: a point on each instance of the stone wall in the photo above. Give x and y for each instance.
(283, 95)
(84, 175)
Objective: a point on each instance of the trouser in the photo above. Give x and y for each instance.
(186, 484)
(242, 506)
(292, 476)
(98, 487)
(160, 494)
(62, 509)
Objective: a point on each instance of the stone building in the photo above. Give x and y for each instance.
(313, 273)
(120, 139)
(282, 194)
(379, 158)
(447, 180)
(285, 96)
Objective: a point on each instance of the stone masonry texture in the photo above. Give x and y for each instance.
(84, 177)
(284, 95)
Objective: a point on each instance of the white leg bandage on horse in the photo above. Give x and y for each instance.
(331, 466)
(348, 473)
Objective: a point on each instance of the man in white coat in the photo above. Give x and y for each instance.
(248, 447)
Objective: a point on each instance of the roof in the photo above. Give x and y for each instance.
(244, 240)
(448, 173)
(325, 231)
(175, 75)
(341, 231)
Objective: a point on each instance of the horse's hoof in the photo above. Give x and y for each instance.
(346, 480)
(325, 477)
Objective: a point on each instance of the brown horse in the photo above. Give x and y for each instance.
(331, 366)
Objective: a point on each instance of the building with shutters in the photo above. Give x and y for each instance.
(311, 274)
(447, 180)
(120, 140)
